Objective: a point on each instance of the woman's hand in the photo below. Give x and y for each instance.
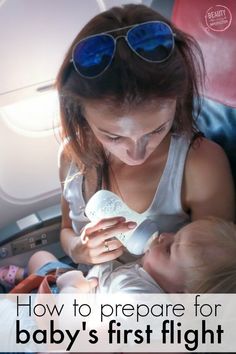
(97, 243)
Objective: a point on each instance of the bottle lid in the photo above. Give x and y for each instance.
(136, 244)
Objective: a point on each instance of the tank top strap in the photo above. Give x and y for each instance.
(73, 186)
(168, 196)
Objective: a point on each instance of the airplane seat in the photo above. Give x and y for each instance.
(213, 25)
(37, 231)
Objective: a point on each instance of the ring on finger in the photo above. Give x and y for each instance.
(106, 246)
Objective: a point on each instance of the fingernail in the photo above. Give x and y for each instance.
(121, 219)
(131, 225)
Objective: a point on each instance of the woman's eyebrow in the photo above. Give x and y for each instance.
(162, 125)
(113, 134)
(107, 132)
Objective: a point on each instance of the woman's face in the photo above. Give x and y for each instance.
(134, 135)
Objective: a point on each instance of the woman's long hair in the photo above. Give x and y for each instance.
(128, 82)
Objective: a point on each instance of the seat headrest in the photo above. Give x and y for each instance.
(213, 25)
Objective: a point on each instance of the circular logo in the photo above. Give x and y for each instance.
(218, 18)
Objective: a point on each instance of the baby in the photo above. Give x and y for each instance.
(200, 257)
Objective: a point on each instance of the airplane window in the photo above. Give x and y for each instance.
(2, 2)
(38, 115)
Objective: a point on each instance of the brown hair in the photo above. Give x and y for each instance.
(216, 272)
(129, 81)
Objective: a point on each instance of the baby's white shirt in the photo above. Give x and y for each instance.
(115, 277)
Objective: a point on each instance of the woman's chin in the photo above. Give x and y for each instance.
(131, 162)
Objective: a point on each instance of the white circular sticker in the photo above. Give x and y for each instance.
(218, 18)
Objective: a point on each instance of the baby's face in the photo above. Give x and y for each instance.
(169, 257)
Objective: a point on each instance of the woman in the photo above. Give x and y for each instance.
(128, 88)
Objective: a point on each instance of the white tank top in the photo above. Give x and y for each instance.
(166, 207)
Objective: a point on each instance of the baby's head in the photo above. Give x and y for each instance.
(200, 257)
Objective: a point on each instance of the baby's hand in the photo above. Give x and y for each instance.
(74, 281)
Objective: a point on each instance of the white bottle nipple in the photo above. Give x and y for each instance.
(105, 204)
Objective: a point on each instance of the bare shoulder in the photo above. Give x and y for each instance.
(209, 188)
(204, 150)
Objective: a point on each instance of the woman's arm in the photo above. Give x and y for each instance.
(208, 187)
(89, 247)
(68, 237)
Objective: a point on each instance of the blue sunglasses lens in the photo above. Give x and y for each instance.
(153, 41)
(93, 55)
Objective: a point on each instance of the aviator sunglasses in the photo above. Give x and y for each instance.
(152, 41)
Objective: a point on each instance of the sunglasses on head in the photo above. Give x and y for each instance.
(152, 41)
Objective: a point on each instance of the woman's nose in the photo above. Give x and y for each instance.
(137, 149)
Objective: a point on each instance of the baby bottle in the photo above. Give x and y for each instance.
(105, 204)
